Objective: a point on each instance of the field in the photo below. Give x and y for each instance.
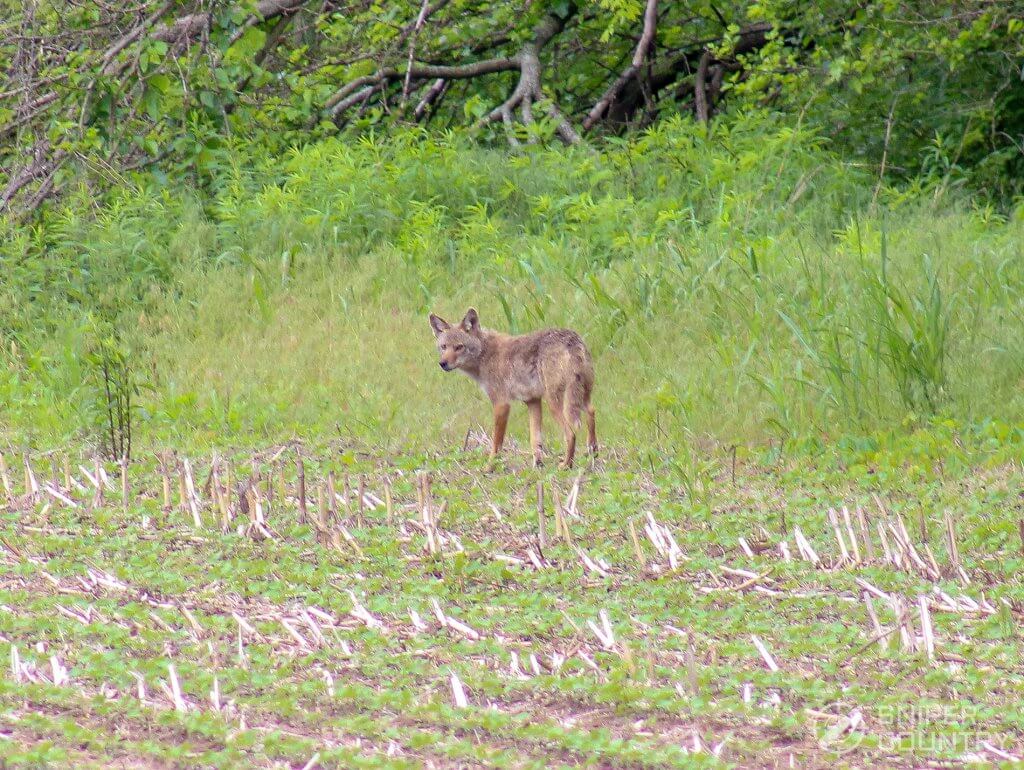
(246, 521)
(331, 606)
(801, 545)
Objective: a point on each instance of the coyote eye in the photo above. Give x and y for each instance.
(459, 348)
(443, 346)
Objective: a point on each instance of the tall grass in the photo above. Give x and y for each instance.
(738, 285)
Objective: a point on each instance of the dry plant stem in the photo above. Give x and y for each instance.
(227, 484)
(301, 470)
(865, 533)
(542, 538)
(556, 503)
(182, 493)
(360, 502)
(269, 493)
(5, 479)
(332, 498)
(31, 485)
(124, 484)
(637, 550)
(954, 552)
(429, 524)
(166, 479)
(872, 615)
(765, 655)
(420, 499)
(346, 497)
(225, 515)
(851, 535)
(321, 508)
(190, 488)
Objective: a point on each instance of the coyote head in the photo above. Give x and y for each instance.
(459, 346)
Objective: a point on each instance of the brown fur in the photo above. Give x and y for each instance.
(552, 365)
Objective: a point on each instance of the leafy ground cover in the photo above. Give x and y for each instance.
(756, 611)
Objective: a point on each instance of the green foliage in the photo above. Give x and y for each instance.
(739, 284)
(920, 90)
(114, 377)
(931, 87)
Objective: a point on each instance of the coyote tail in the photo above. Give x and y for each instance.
(575, 399)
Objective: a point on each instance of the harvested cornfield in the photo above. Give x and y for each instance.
(323, 607)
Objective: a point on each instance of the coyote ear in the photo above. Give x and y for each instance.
(438, 324)
(471, 322)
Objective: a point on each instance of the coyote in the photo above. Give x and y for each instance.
(553, 364)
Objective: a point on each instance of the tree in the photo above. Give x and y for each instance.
(98, 90)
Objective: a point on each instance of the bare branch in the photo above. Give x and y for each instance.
(667, 70)
(564, 129)
(33, 110)
(412, 53)
(528, 90)
(510, 131)
(42, 167)
(132, 36)
(700, 94)
(355, 98)
(632, 71)
(420, 71)
(188, 28)
(431, 98)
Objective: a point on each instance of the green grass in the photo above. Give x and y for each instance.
(105, 590)
(739, 287)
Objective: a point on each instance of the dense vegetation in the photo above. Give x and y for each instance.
(96, 90)
(770, 219)
(741, 286)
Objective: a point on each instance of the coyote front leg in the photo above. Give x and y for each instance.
(500, 423)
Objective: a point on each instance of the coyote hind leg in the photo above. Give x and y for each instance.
(570, 422)
(536, 436)
(591, 431)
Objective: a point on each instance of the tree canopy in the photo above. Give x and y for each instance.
(98, 90)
